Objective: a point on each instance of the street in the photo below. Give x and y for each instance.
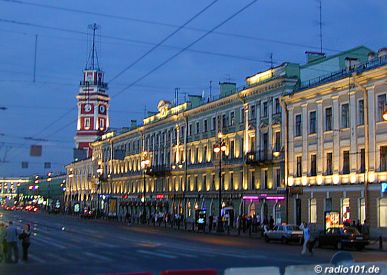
(70, 245)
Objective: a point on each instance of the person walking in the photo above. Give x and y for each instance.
(365, 230)
(25, 238)
(11, 238)
(305, 229)
(3, 250)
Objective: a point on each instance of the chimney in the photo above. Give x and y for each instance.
(382, 52)
(227, 88)
(314, 56)
(133, 124)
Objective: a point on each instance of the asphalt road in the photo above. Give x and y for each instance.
(70, 245)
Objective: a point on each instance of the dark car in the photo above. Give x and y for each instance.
(341, 238)
(284, 233)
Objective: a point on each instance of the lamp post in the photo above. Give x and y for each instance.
(49, 190)
(71, 175)
(99, 174)
(144, 165)
(220, 147)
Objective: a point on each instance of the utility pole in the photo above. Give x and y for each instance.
(321, 35)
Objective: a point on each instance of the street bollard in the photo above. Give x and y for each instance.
(250, 231)
(380, 242)
(239, 230)
(228, 230)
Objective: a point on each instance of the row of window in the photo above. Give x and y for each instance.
(345, 162)
(344, 116)
(346, 212)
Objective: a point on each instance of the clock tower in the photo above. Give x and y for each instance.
(93, 105)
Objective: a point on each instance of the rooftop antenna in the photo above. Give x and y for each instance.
(36, 49)
(271, 60)
(321, 35)
(177, 96)
(93, 57)
(210, 89)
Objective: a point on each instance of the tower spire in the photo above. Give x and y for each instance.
(92, 62)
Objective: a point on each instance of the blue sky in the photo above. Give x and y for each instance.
(241, 47)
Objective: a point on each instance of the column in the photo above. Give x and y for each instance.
(353, 134)
(258, 129)
(320, 136)
(270, 132)
(177, 143)
(304, 130)
(291, 160)
(371, 130)
(336, 135)
(246, 136)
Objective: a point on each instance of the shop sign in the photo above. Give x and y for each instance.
(384, 187)
(332, 219)
(159, 196)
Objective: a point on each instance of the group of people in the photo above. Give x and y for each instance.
(9, 237)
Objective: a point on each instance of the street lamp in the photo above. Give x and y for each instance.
(71, 175)
(384, 116)
(220, 147)
(99, 174)
(144, 165)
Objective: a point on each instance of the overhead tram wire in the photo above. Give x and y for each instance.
(167, 60)
(128, 40)
(163, 40)
(159, 23)
(185, 48)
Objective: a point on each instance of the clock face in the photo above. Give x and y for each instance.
(87, 107)
(102, 108)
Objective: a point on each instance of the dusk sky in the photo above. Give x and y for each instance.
(239, 48)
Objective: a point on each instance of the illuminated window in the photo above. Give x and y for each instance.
(87, 123)
(345, 210)
(361, 210)
(383, 212)
(312, 211)
(101, 124)
(381, 106)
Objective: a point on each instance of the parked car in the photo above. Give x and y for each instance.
(341, 238)
(284, 233)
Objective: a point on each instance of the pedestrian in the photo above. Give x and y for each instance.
(11, 237)
(271, 223)
(25, 238)
(365, 230)
(3, 251)
(304, 227)
(358, 226)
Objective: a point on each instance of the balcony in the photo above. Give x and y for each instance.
(159, 170)
(93, 83)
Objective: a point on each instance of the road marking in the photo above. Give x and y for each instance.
(40, 238)
(93, 255)
(36, 259)
(178, 253)
(162, 255)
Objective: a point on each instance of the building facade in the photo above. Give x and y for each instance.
(337, 146)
